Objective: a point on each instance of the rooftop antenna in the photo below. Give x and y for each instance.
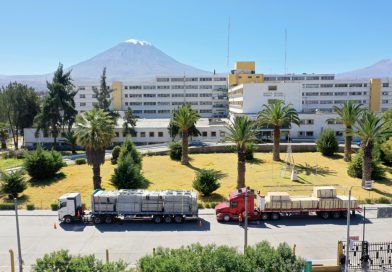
(228, 45)
(285, 51)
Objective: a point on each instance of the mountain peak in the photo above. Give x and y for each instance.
(137, 42)
(382, 68)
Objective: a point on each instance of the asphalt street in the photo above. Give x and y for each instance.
(315, 238)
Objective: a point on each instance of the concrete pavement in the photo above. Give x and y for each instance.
(315, 238)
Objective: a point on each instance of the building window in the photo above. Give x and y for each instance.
(222, 134)
(163, 87)
(385, 85)
(160, 134)
(213, 133)
(149, 95)
(150, 111)
(163, 111)
(81, 88)
(142, 134)
(149, 87)
(82, 104)
(150, 103)
(126, 87)
(205, 79)
(94, 96)
(341, 85)
(135, 95)
(205, 95)
(204, 134)
(164, 95)
(339, 133)
(312, 78)
(117, 134)
(126, 103)
(309, 133)
(126, 95)
(178, 95)
(326, 85)
(163, 103)
(135, 87)
(205, 111)
(151, 134)
(82, 96)
(272, 88)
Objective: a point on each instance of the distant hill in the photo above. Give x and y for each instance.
(127, 60)
(383, 68)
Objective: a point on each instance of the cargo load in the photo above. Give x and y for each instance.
(277, 196)
(277, 200)
(324, 192)
(330, 203)
(304, 202)
(344, 201)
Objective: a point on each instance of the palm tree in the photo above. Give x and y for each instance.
(94, 131)
(241, 133)
(71, 139)
(348, 115)
(277, 114)
(185, 117)
(371, 129)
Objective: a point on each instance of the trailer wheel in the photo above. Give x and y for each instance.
(108, 219)
(324, 215)
(157, 219)
(178, 219)
(275, 216)
(336, 215)
(264, 216)
(168, 219)
(226, 218)
(97, 220)
(67, 219)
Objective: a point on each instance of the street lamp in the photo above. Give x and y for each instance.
(18, 236)
(246, 220)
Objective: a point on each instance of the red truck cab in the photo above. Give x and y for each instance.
(230, 211)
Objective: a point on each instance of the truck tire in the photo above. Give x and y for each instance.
(157, 219)
(108, 219)
(97, 220)
(275, 216)
(168, 219)
(179, 219)
(226, 218)
(68, 219)
(264, 216)
(325, 215)
(336, 215)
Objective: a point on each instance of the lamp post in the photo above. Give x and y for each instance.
(18, 236)
(246, 220)
(348, 229)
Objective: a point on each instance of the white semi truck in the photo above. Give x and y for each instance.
(108, 206)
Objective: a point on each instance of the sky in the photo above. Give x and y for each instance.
(322, 36)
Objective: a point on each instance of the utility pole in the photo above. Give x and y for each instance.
(18, 236)
(246, 220)
(348, 232)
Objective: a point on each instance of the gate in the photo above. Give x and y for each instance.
(380, 256)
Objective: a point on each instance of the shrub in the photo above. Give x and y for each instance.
(250, 149)
(128, 175)
(386, 151)
(207, 206)
(41, 164)
(206, 181)
(12, 183)
(115, 153)
(213, 204)
(63, 261)
(383, 200)
(80, 161)
(200, 205)
(128, 147)
(211, 258)
(17, 154)
(368, 201)
(54, 206)
(175, 151)
(7, 206)
(30, 207)
(327, 143)
(355, 167)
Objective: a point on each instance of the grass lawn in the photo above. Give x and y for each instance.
(262, 174)
(9, 163)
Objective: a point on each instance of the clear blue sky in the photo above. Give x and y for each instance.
(323, 36)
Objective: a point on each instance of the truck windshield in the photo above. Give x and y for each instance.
(62, 204)
(233, 204)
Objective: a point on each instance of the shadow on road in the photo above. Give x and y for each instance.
(124, 226)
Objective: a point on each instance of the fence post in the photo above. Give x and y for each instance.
(12, 260)
(340, 252)
(107, 256)
(294, 249)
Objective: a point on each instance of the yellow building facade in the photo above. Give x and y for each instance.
(244, 72)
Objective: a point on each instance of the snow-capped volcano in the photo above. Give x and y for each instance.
(382, 68)
(127, 60)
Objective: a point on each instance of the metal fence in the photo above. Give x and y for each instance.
(380, 256)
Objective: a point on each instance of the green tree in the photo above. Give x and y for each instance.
(174, 130)
(103, 96)
(327, 143)
(185, 118)
(41, 164)
(130, 121)
(371, 129)
(3, 135)
(348, 115)
(207, 181)
(94, 131)
(277, 114)
(128, 147)
(12, 183)
(71, 139)
(128, 174)
(58, 110)
(19, 105)
(241, 132)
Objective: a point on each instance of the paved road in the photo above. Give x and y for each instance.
(314, 237)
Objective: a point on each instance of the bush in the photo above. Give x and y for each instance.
(30, 207)
(383, 200)
(115, 153)
(206, 181)
(17, 154)
(12, 183)
(211, 258)
(175, 151)
(41, 164)
(368, 201)
(250, 149)
(54, 206)
(7, 206)
(327, 143)
(386, 152)
(80, 161)
(128, 175)
(207, 206)
(128, 147)
(200, 205)
(213, 204)
(355, 167)
(63, 261)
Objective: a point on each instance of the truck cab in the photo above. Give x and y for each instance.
(231, 210)
(69, 207)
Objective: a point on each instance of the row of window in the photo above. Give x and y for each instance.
(312, 102)
(283, 78)
(337, 85)
(169, 95)
(167, 111)
(332, 93)
(181, 79)
(311, 133)
(175, 87)
(160, 134)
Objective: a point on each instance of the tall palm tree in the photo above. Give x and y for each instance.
(241, 133)
(278, 114)
(185, 118)
(371, 129)
(94, 131)
(348, 115)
